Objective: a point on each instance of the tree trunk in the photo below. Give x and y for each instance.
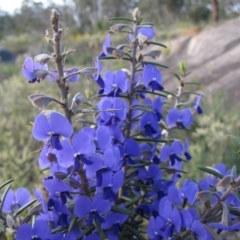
(215, 11)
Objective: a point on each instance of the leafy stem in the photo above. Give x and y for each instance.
(56, 42)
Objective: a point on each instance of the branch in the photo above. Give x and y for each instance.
(58, 58)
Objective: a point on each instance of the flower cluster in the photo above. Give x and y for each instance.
(110, 179)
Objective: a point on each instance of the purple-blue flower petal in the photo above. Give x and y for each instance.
(186, 117)
(60, 125)
(24, 232)
(172, 117)
(199, 229)
(42, 230)
(8, 201)
(101, 205)
(166, 151)
(186, 218)
(22, 196)
(83, 144)
(103, 136)
(121, 80)
(41, 128)
(83, 206)
(177, 147)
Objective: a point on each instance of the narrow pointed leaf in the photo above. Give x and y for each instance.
(72, 223)
(6, 183)
(164, 91)
(194, 83)
(153, 140)
(99, 229)
(120, 18)
(154, 63)
(177, 76)
(234, 171)
(134, 201)
(2, 227)
(144, 26)
(111, 58)
(156, 43)
(24, 207)
(154, 93)
(4, 196)
(86, 231)
(121, 210)
(237, 139)
(135, 232)
(211, 171)
(194, 93)
(147, 23)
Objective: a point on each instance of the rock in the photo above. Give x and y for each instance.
(213, 57)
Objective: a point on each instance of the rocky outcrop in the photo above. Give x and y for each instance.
(213, 57)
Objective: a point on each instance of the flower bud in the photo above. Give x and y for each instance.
(164, 133)
(226, 219)
(40, 100)
(224, 183)
(136, 14)
(89, 72)
(182, 68)
(11, 222)
(119, 27)
(42, 58)
(142, 39)
(77, 100)
(203, 196)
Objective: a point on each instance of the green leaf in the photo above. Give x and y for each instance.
(153, 63)
(112, 58)
(172, 170)
(177, 76)
(147, 23)
(6, 183)
(120, 19)
(156, 43)
(164, 91)
(86, 231)
(2, 227)
(87, 104)
(153, 93)
(212, 171)
(59, 229)
(72, 223)
(234, 171)
(121, 210)
(153, 140)
(134, 201)
(4, 196)
(236, 212)
(144, 25)
(237, 139)
(102, 234)
(135, 232)
(24, 207)
(194, 83)
(199, 94)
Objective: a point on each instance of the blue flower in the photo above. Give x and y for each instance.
(84, 207)
(50, 129)
(13, 201)
(152, 77)
(180, 118)
(115, 83)
(40, 230)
